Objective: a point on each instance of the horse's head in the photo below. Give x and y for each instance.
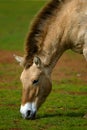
(36, 87)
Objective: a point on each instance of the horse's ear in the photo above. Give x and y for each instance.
(19, 59)
(37, 61)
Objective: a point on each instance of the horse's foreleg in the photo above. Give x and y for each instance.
(85, 47)
(85, 55)
(85, 52)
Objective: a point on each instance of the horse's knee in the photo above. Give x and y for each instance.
(85, 53)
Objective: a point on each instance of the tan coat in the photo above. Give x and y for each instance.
(60, 25)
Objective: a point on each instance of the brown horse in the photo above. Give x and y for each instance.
(60, 25)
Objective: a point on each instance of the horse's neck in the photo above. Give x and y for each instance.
(54, 43)
(53, 47)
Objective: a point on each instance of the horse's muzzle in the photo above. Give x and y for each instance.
(28, 111)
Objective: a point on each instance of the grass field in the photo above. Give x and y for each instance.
(67, 103)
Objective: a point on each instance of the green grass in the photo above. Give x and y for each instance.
(15, 17)
(65, 106)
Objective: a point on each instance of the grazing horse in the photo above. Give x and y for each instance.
(60, 25)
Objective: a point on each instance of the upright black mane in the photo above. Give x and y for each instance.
(35, 37)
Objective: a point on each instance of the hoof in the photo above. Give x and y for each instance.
(85, 116)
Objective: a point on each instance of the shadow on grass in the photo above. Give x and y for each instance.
(71, 114)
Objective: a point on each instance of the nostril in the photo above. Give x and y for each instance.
(28, 113)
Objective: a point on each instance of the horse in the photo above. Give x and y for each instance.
(60, 25)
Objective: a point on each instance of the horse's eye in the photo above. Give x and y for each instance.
(35, 81)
